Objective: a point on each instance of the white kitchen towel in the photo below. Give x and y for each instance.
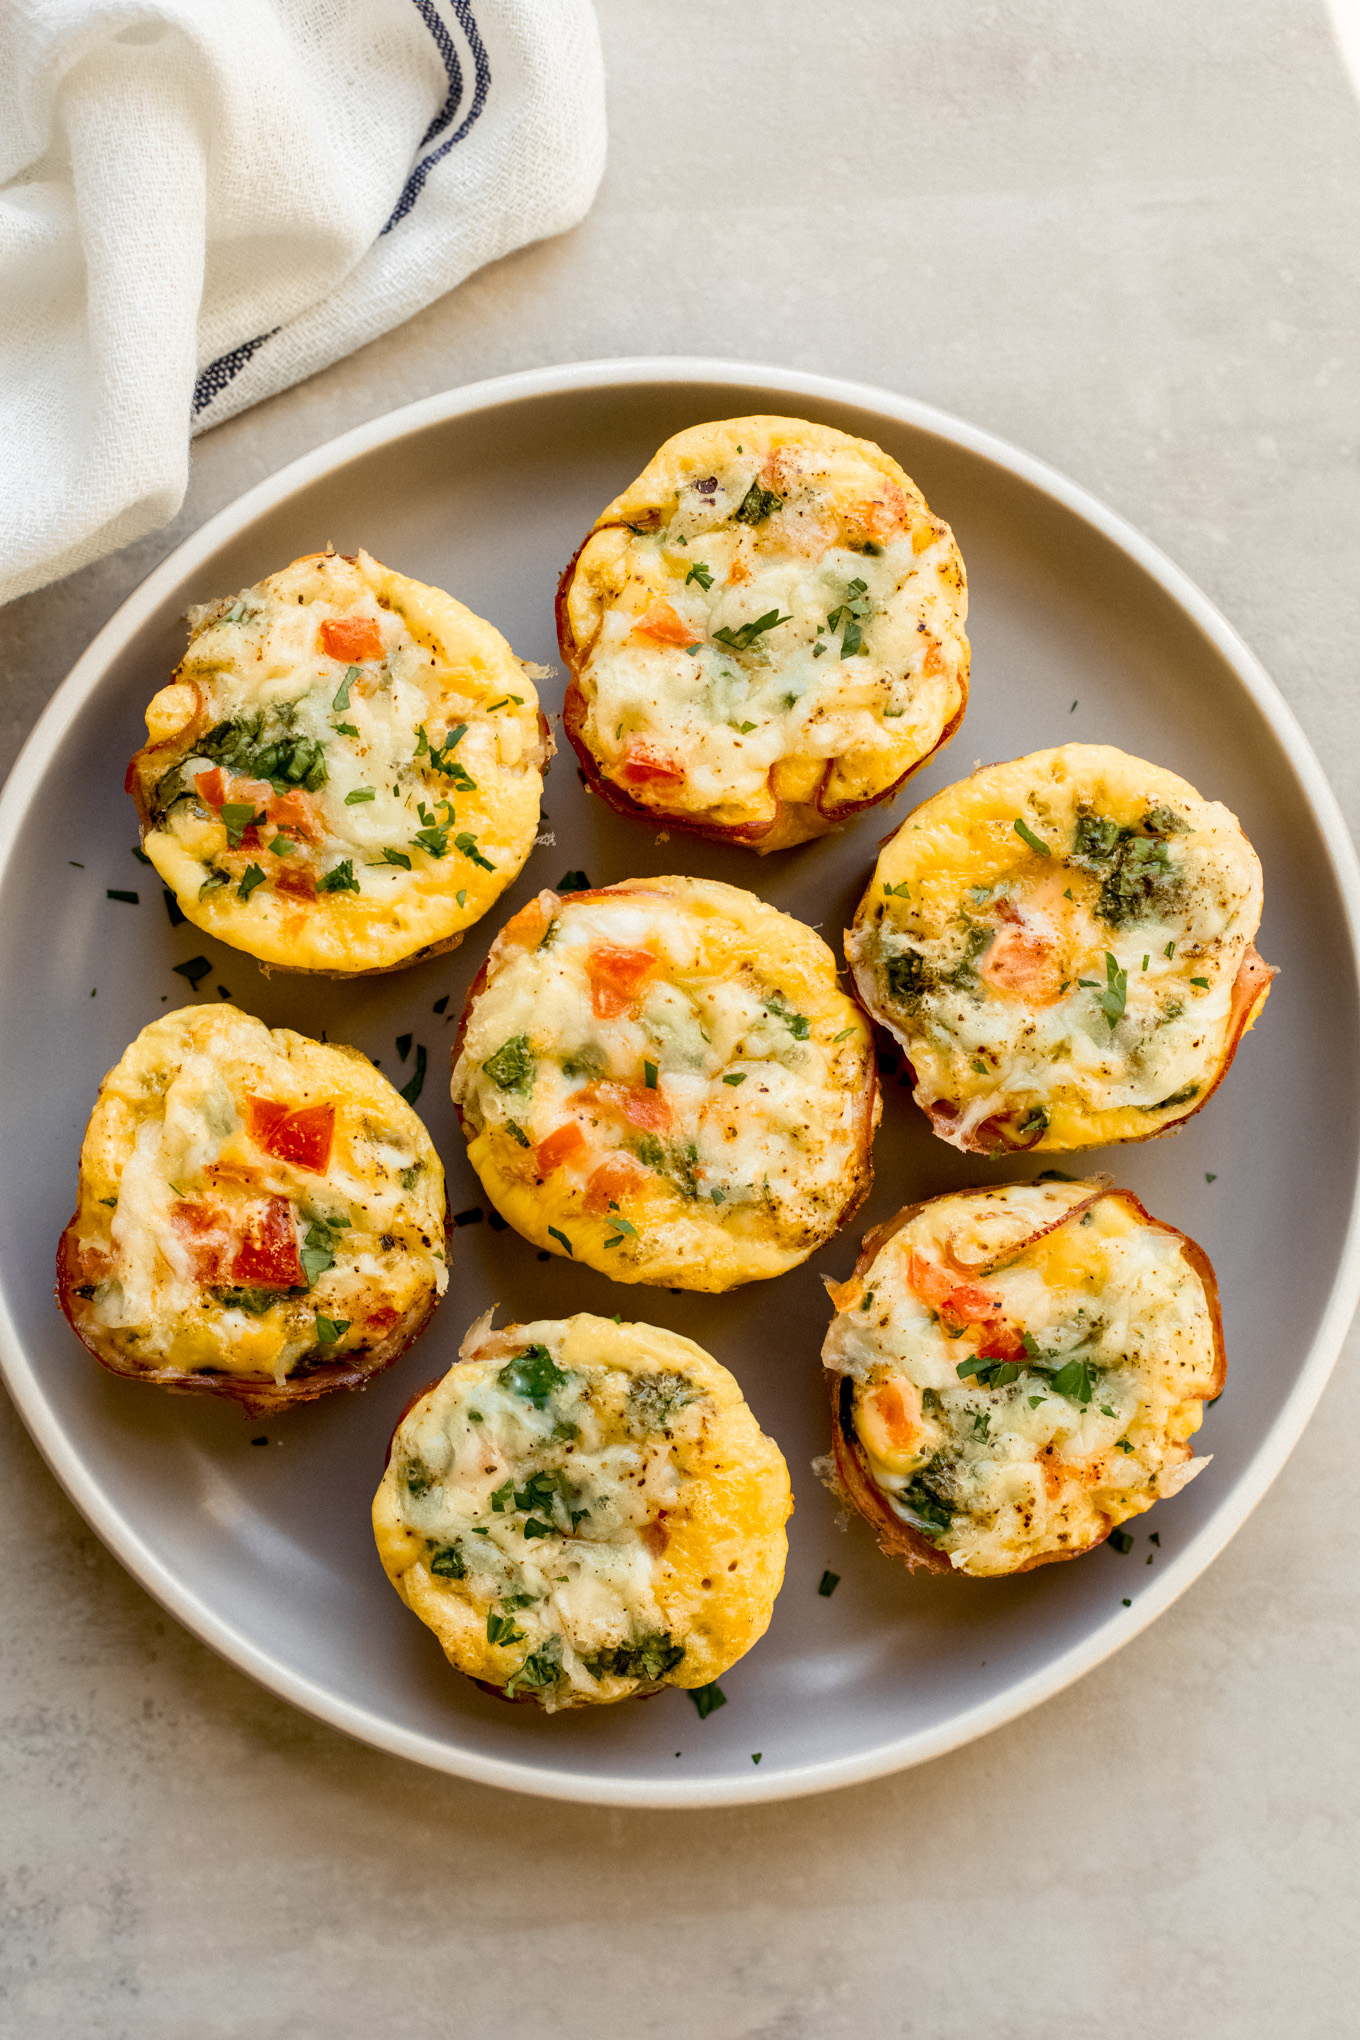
(202, 201)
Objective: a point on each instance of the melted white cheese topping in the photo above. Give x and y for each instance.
(384, 814)
(1086, 1423)
(171, 1134)
(861, 665)
(540, 1488)
(749, 1108)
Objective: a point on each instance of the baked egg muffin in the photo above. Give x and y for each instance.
(1063, 946)
(664, 1080)
(260, 1216)
(583, 1511)
(344, 772)
(764, 633)
(1016, 1371)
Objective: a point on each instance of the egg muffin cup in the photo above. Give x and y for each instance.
(663, 1080)
(260, 1216)
(1016, 1371)
(1063, 946)
(345, 771)
(764, 634)
(584, 1511)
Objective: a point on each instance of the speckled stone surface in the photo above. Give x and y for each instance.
(1127, 239)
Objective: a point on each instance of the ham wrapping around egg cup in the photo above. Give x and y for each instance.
(663, 1079)
(764, 634)
(1015, 1371)
(345, 771)
(260, 1216)
(584, 1511)
(1063, 948)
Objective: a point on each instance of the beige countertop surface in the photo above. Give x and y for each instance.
(1125, 238)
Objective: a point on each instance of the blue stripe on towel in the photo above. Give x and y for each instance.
(218, 374)
(213, 379)
(415, 183)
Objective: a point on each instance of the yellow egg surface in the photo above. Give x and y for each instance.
(344, 772)
(765, 633)
(1016, 1371)
(664, 1080)
(583, 1510)
(260, 1216)
(1063, 945)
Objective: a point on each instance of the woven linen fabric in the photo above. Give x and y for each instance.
(202, 201)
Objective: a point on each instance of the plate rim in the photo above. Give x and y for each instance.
(920, 1745)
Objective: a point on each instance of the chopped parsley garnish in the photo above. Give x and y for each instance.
(342, 691)
(573, 881)
(283, 846)
(844, 1035)
(345, 729)
(542, 1667)
(649, 1074)
(237, 816)
(133, 899)
(777, 1006)
(468, 845)
(853, 611)
(255, 1302)
(397, 857)
(342, 879)
(533, 1374)
(735, 1077)
(501, 1629)
(707, 1699)
(404, 1045)
(250, 878)
(195, 969)
(757, 504)
(1075, 1380)
(331, 1330)
(827, 1584)
(447, 1562)
(1122, 1541)
(442, 759)
(700, 573)
(172, 907)
(517, 1133)
(410, 1092)
(513, 1065)
(318, 1249)
(562, 1240)
(897, 892)
(1203, 983)
(924, 1498)
(359, 794)
(1115, 996)
(1028, 837)
(742, 638)
(745, 728)
(649, 1659)
(1170, 949)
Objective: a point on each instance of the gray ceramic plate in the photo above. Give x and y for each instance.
(1080, 630)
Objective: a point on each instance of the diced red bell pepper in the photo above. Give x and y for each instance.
(561, 1146)
(352, 638)
(302, 1136)
(616, 977)
(643, 764)
(267, 1257)
(663, 626)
